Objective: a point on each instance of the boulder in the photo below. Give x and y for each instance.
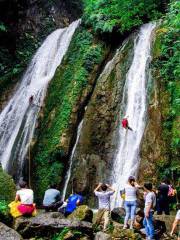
(102, 236)
(82, 213)
(72, 235)
(167, 219)
(48, 224)
(8, 233)
(117, 214)
(119, 233)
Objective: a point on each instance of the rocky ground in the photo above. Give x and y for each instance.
(78, 225)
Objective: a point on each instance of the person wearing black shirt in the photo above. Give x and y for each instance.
(162, 198)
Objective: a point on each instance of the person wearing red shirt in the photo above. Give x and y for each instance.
(125, 123)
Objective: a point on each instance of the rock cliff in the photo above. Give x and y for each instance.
(97, 144)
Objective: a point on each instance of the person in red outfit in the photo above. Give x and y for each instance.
(26, 197)
(125, 123)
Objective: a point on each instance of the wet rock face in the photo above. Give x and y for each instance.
(8, 233)
(97, 143)
(154, 149)
(31, 15)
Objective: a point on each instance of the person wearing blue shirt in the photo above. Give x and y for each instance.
(73, 201)
(52, 198)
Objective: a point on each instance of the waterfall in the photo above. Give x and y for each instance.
(18, 119)
(134, 104)
(68, 174)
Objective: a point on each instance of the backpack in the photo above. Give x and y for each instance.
(172, 191)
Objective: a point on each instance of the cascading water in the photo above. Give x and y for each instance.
(68, 174)
(133, 105)
(18, 119)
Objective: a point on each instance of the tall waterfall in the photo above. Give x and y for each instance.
(134, 104)
(18, 119)
(68, 174)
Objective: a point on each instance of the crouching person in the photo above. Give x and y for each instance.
(52, 199)
(23, 204)
(73, 201)
(103, 192)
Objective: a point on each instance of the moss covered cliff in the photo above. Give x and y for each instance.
(161, 143)
(98, 140)
(67, 95)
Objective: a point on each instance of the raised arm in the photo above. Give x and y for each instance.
(110, 187)
(97, 188)
(137, 185)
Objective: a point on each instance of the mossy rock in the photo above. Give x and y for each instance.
(82, 213)
(125, 234)
(7, 187)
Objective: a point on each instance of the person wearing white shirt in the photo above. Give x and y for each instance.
(130, 203)
(103, 192)
(26, 197)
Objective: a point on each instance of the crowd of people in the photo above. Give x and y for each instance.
(153, 200)
(24, 201)
(158, 200)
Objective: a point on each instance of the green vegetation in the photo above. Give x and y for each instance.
(74, 234)
(64, 93)
(60, 236)
(7, 187)
(14, 59)
(123, 16)
(167, 63)
(7, 194)
(4, 212)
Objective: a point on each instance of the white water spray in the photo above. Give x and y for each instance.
(68, 174)
(134, 105)
(18, 119)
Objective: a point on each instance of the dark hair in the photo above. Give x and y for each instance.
(165, 180)
(131, 179)
(22, 184)
(53, 185)
(148, 186)
(104, 187)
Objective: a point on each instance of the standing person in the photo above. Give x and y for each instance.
(73, 201)
(163, 198)
(130, 201)
(52, 198)
(150, 202)
(26, 197)
(103, 192)
(125, 123)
